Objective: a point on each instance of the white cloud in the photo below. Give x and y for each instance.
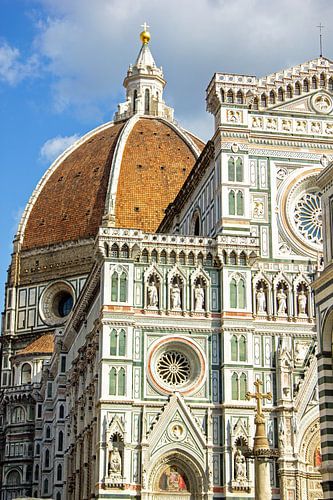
(88, 45)
(12, 68)
(52, 148)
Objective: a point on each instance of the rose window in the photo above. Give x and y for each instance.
(173, 368)
(308, 217)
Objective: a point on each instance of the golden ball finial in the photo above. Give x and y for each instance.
(145, 35)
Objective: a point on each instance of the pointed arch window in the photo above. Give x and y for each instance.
(115, 251)
(144, 256)
(234, 386)
(242, 259)
(154, 256)
(123, 287)
(297, 88)
(36, 477)
(233, 293)
(263, 100)
(230, 96)
(232, 204)
(124, 252)
(18, 415)
(122, 342)
(46, 486)
(113, 342)
(314, 82)
(119, 286)
(241, 294)
(172, 257)
(242, 386)
(135, 96)
(59, 472)
(272, 97)
(306, 85)
(240, 203)
(289, 92)
(232, 259)
(114, 287)
(47, 459)
(238, 386)
(26, 374)
(237, 292)
(60, 441)
(239, 170)
(121, 382)
(239, 97)
(117, 381)
(255, 103)
(147, 101)
(163, 257)
(231, 169)
(280, 94)
(242, 348)
(322, 80)
(182, 258)
(117, 342)
(234, 348)
(113, 382)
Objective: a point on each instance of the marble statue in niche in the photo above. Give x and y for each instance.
(152, 294)
(175, 297)
(261, 301)
(199, 298)
(282, 301)
(240, 466)
(302, 301)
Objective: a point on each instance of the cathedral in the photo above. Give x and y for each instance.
(154, 279)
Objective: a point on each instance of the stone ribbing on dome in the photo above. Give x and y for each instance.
(155, 163)
(70, 204)
(143, 162)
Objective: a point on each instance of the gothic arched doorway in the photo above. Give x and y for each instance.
(176, 477)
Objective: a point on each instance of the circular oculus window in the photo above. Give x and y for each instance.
(56, 303)
(301, 212)
(176, 364)
(308, 217)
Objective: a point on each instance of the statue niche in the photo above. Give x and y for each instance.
(153, 292)
(261, 298)
(282, 299)
(302, 301)
(240, 480)
(115, 460)
(176, 294)
(199, 295)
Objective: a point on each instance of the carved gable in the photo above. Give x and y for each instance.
(176, 428)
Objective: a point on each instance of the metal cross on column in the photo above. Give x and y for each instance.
(259, 396)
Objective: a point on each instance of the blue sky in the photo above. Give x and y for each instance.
(62, 63)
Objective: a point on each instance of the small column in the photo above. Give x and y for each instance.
(261, 450)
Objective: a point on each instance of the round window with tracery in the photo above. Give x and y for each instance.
(308, 217)
(176, 363)
(173, 368)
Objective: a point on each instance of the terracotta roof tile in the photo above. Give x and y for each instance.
(43, 345)
(156, 161)
(70, 206)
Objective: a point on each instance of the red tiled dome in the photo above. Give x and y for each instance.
(147, 158)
